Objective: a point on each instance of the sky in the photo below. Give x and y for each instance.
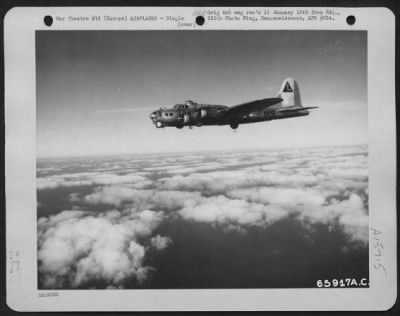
(96, 89)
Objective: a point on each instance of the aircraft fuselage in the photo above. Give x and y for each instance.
(207, 114)
(286, 104)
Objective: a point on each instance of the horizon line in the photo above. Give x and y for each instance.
(255, 149)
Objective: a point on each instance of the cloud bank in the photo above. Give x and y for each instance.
(232, 191)
(77, 248)
(88, 179)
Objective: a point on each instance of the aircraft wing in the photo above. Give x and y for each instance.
(244, 109)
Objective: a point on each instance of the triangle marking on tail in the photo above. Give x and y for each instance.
(287, 88)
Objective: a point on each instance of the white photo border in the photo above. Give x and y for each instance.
(20, 25)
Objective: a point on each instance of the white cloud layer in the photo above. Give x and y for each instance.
(160, 242)
(321, 186)
(77, 247)
(311, 186)
(221, 210)
(90, 178)
(140, 199)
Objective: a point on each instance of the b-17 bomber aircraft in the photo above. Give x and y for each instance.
(286, 105)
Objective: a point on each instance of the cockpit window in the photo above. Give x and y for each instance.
(181, 106)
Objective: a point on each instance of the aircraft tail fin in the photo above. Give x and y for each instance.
(290, 93)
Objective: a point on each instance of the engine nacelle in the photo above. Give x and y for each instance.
(186, 118)
(203, 113)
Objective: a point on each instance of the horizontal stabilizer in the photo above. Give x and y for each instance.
(296, 109)
(244, 109)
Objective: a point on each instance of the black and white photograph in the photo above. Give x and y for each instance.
(174, 160)
(200, 159)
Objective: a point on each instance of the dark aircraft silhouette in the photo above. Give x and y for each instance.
(286, 105)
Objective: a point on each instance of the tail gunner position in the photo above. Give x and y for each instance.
(287, 104)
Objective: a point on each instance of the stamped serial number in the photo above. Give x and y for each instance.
(48, 294)
(347, 282)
